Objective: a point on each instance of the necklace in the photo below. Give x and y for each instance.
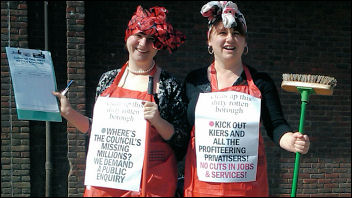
(141, 71)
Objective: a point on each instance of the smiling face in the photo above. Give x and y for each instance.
(141, 48)
(228, 44)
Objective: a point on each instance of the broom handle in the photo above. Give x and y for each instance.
(305, 92)
(145, 166)
(298, 155)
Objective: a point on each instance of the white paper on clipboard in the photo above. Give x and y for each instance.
(33, 80)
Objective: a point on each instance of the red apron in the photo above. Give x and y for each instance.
(162, 165)
(193, 187)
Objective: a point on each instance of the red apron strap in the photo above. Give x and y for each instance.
(116, 81)
(213, 78)
(248, 75)
(253, 89)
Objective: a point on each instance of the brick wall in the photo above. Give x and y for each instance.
(75, 18)
(15, 155)
(284, 37)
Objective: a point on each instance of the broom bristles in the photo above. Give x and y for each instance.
(322, 85)
(325, 80)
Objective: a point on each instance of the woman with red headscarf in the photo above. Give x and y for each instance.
(228, 100)
(146, 34)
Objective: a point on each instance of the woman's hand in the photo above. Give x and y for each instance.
(151, 112)
(65, 106)
(77, 119)
(295, 142)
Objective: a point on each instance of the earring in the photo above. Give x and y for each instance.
(210, 50)
(245, 53)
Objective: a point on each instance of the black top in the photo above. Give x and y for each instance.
(271, 113)
(171, 104)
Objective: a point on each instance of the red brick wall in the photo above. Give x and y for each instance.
(15, 156)
(75, 17)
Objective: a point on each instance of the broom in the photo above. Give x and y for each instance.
(145, 166)
(305, 84)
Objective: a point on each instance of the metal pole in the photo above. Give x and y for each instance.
(48, 165)
(10, 96)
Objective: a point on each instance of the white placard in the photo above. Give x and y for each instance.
(116, 148)
(227, 136)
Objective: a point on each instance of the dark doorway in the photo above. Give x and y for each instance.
(57, 47)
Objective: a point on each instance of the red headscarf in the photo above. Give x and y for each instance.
(153, 22)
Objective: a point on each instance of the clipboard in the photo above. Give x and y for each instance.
(33, 79)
